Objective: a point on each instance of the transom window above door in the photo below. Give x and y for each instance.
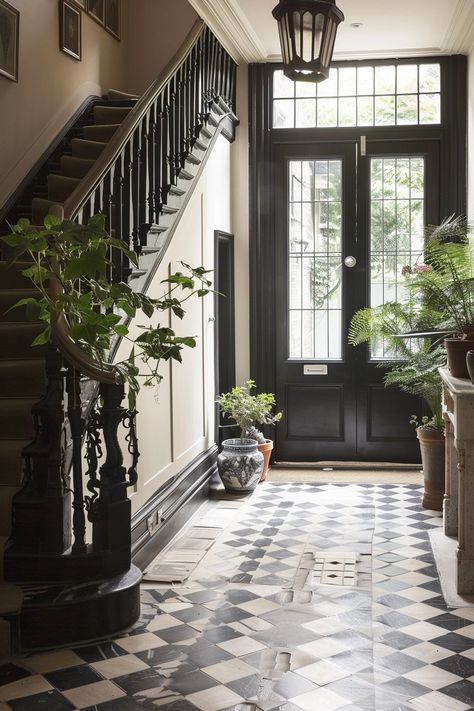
(382, 95)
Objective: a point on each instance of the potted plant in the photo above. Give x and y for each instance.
(237, 472)
(445, 285)
(70, 266)
(414, 369)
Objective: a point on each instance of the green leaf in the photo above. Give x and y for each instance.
(51, 221)
(23, 223)
(43, 337)
(121, 330)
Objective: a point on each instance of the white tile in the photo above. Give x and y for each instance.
(28, 686)
(319, 699)
(417, 594)
(259, 606)
(140, 642)
(229, 671)
(467, 613)
(427, 652)
(119, 666)
(93, 694)
(423, 630)
(322, 672)
(435, 701)
(467, 631)
(325, 625)
(52, 661)
(432, 677)
(215, 699)
(323, 648)
(241, 645)
(413, 578)
(420, 611)
(163, 622)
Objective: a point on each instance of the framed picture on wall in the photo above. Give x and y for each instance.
(113, 17)
(96, 9)
(70, 31)
(9, 39)
(81, 3)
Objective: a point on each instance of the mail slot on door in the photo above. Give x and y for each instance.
(315, 369)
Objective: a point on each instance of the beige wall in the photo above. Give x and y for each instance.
(176, 420)
(155, 30)
(51, 86)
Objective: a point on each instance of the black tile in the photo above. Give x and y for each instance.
(191, 614)
(400, 663)
(237, 597)
(75, 676)
(460, 690)
(191, 683)
(404, 687)
(229, 614)
(449, 622)
(399, 640)
(172, 635)
(12, 672)
(203, 596)
(139, 681)
(47, 701)
(292, 684)
(221, 634)
(247, 687)
(166, 655)
(454, 642)
(205, 656)
(123, 704)
(457, 664)
(396, 619)
(98, 653)
(241, 578)
(248, 566)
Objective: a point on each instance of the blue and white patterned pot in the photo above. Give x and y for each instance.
(240, 465)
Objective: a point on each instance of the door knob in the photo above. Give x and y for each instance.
(350, 262)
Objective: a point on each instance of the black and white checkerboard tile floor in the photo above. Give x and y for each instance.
(251, 629)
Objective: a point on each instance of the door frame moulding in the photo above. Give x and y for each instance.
(263, 140)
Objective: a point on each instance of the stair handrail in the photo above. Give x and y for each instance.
(104, 372)
(117, 143)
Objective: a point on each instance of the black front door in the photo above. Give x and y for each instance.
(346, 224)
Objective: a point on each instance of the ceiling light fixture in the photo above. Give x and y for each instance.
(307, 36)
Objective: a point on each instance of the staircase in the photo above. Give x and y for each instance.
(140, 173)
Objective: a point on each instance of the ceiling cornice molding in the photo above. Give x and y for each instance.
(459, 37)
(231, 27)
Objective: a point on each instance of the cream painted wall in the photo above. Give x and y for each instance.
(155, 31)
(470, 138)
(176, 421)
(240, 224)
(51, 86)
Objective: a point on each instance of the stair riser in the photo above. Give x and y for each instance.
(75, 167)
(8, 299)
(12, 278)
(6, 495)
(110, 115)
(87, 149)
(61, 187)
(22, 378)
(99, 133)
(16, 340)
(15, 419)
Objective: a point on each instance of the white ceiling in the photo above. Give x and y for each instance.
(391, 28)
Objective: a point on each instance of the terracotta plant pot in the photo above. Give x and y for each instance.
(266, 450)
(432, 446)
(456, 350)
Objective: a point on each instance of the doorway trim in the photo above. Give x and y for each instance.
(451, 137)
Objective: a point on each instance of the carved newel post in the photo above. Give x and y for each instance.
(111, 512)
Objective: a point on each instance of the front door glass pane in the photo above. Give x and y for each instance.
(315, 256)
(397, 218)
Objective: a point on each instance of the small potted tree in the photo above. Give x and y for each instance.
(244, 461)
